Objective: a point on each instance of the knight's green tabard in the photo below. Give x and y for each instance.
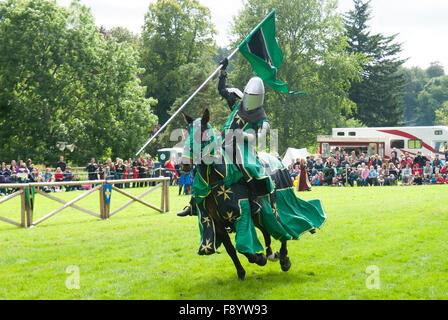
(283, 214)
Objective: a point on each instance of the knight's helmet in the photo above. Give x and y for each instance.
(253, 94)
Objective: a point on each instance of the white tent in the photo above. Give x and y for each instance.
(292, 154)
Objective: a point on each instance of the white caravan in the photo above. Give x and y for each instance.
(429, 140)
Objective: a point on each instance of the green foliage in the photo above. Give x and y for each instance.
(311, 35)
(175, 33)
(141, 254)
(431, 99)
(379, 95)
(442, 114)
(435, 70)
(61, 80)
(424, 95)
(416, 80)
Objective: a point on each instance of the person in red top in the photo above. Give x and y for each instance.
(417, 170)
(126, 175)
(59, 176)
(444, 170)
(171, 168)
(134, 176)
(440, 179)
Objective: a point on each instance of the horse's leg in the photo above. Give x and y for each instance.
(257, 258)
(285, 263)
(272, 256)
(222, 235)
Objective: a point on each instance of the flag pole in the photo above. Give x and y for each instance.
(185, 103)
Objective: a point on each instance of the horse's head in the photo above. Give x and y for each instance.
(200, 143)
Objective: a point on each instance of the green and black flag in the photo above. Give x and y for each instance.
(261, 49)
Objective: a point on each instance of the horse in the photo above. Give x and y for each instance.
(209, 205)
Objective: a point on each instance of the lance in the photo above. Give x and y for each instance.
(185, 103)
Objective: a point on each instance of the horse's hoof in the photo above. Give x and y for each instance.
(274, 257)
(285, 263)
(241, 275)
(261, 260)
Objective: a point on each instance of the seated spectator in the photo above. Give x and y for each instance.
(406, 175)
(445, 151)
(382, 170)
(76, 178)
(373, 176)
(428, 169)
(417, 172)
(376, 161)
(48, 177)
(433, 179)
(316, 180)
(29, 165)
(342, 175)
(318, 165)
(329, 174)
(23, 174)
(34, 176)
(392, 175)
(425, 180)
(295, 172)
(5, 175)
(381, 180)
(440, 179)
(437, 163)
(444, 170)
(345, 162)
(352, 176)
(364, 175)
(13, 178)
(68, 176)
(58, 177)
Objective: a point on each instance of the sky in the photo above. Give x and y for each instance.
(422, 26)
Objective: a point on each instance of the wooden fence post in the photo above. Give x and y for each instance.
(104, 206)
(23, 210)
(162, 200)
(167, 196)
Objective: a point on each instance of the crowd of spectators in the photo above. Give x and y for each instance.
(360, 169)
(25, 172)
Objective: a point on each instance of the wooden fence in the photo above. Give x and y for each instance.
(27, 192)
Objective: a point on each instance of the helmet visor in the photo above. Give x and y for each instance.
(252, 101)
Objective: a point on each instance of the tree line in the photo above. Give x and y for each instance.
(62, 78)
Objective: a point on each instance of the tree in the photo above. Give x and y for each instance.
(431, 99)
(435, 70)
(175, 33)
(442, 114)
(379, 95)
(62, 80)
(311, 35)
(416, 81)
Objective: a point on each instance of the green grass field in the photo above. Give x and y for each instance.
(398, 233)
